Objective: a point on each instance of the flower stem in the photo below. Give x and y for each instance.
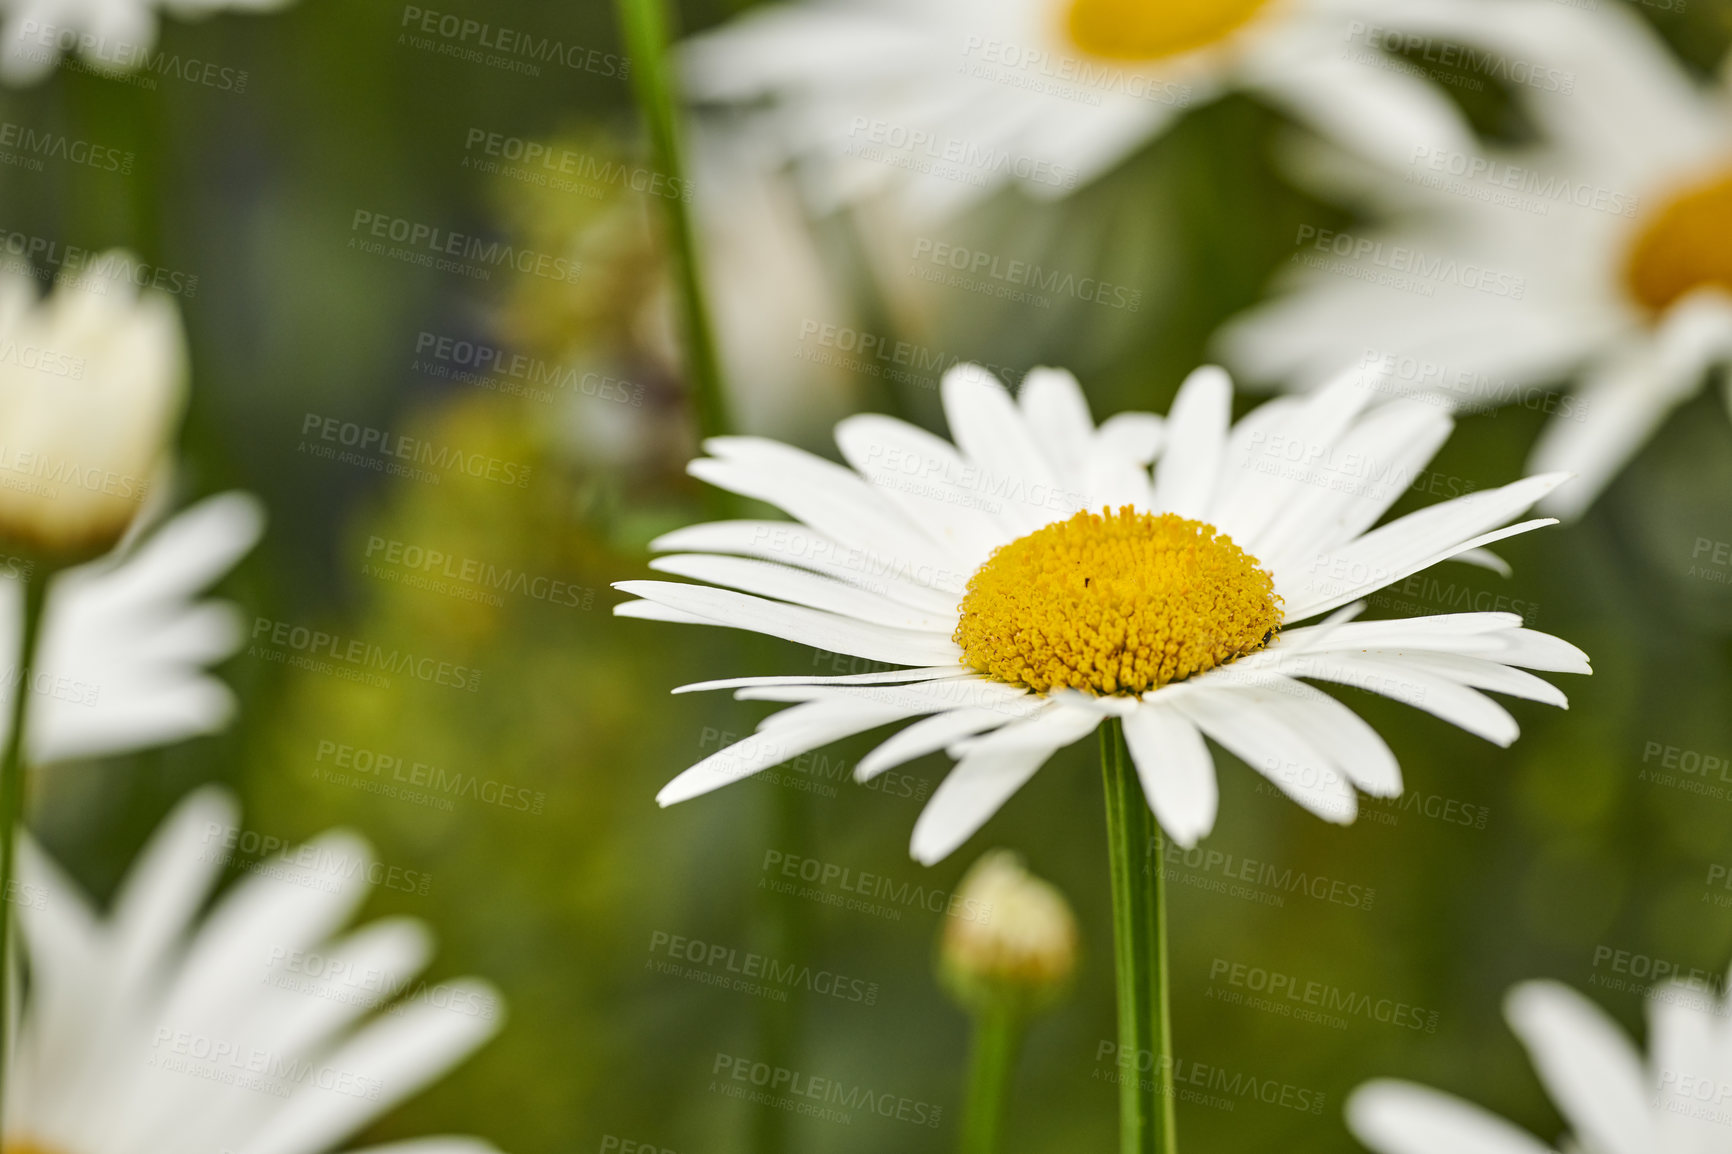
(12, 766)
(644, 25)
(1146, 1124)
(997, 1037)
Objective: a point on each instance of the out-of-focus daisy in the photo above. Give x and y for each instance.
(91, 390)
(125, 643)
(115, 36)
(1606, 256)
(1676, 1101)
(948, 102)
(1035, 581)
(254, 1028)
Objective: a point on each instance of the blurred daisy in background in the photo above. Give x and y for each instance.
(254, 1028)
(1025, 617)
(1604, 254)
(1613, 1100)
(113, 36)
(946, 103)
(91, 392)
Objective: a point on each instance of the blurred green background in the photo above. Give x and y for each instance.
(1565, 856)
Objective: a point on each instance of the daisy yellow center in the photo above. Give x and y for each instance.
(1685, 244)
(1115, 604)
(1139, 30)
(25, 1146)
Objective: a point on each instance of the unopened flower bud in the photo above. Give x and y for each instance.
(1020, 949)
(92, 383)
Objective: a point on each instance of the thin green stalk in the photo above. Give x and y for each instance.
(1146, 1124)
(12, 767)
(997, 1038)
(644, 25)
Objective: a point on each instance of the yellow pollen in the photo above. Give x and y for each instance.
(1140, 30)
(1685, 244)
(1115, 604)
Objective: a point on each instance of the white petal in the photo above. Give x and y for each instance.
(1400, 1118)
(801, 587)
(929, 735)
(1177, 773)
(1588, 1065)
(806, 626)
(995, 767)
(1271, 747)
(1196, 436)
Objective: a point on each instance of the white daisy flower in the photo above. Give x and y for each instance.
(250, 1029)
(125, 642)
(948, 102)
(1024, 618)
(114, 36)
(1678, 1100)
(1607, 252)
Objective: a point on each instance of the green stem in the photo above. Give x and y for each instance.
(12, 766)
(1146, 1124)
(644, 24)
(997, 1037)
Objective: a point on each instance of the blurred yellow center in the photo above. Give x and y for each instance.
(1115, 604)
(25, 1147)
(1686, 244)
(1153, 29)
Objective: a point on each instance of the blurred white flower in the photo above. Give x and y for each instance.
(1604, 255)
(1022, 619)
(125, 643)
(766, 285)
(252, 1029)
(946, 102)
(114, 36)
(92, 384)
(1678, 1100)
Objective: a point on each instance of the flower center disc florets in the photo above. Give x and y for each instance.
(1143, 30)
(1115, 604)
(1685, 245)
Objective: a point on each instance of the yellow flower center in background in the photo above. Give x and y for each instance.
(1686, 244)
(1120, 603)
(24, 1146)
(1139, 30)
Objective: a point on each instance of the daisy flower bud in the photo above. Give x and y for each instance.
(92, 383)
(1021, 950)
